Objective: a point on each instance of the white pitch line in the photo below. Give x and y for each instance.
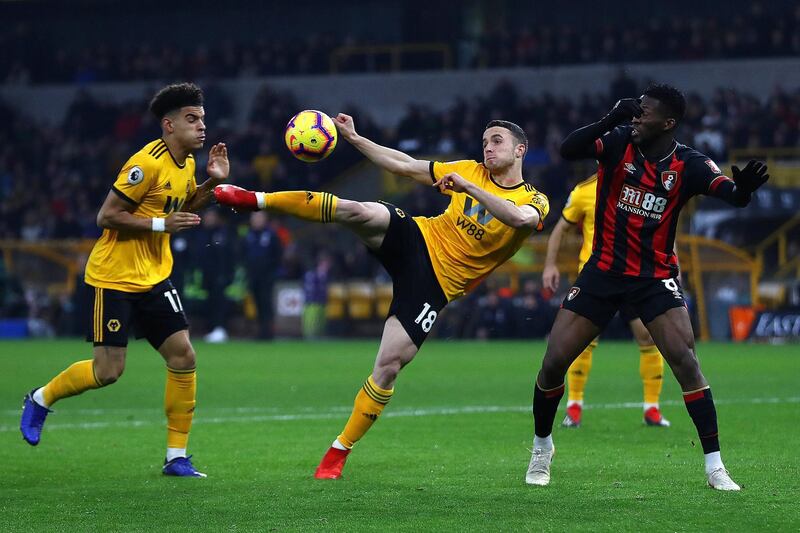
(337, 412)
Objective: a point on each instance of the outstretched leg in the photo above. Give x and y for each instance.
(672, 333)
(368, 220)
(396, 351)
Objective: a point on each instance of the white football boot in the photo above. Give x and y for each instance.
(720, 479)
(539, 467)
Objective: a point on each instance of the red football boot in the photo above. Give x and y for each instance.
(573, 418)
(653, 417)
(238, 198)
(332, 464)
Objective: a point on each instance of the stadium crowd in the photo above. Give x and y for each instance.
(53, 179)
(30, 56)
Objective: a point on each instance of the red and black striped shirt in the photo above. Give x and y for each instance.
(638, 202)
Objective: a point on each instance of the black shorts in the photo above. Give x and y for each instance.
(154, 315)
(627, 312)
(417, 296)
(598, 295)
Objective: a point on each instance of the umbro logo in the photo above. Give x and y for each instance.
(630, 168)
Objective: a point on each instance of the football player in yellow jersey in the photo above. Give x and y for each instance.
(154, 195)
(431, 260)
(580, 210)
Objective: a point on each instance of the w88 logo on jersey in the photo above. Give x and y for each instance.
(641, 202)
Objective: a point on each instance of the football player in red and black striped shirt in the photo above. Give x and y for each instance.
(645, 177)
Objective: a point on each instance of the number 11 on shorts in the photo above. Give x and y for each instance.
(426, 322)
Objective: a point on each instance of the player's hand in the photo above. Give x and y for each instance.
(751, 177)
(452, 182)
(218, 167)
(346, 126)
(624, 111)
(551, 278)
(179, 221)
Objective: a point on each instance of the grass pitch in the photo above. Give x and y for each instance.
(449, 454)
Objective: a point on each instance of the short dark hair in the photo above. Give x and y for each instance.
(174, 97)
(671, 100)
(517, 132)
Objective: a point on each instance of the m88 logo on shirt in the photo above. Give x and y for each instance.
(640, 202)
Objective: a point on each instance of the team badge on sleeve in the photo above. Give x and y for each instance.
(713, 166)
(135, 175)
(539, 201)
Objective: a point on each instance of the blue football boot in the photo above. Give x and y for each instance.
(181, 467)
(32, 420)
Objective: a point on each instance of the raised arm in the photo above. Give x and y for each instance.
(218, 169)
(387, 158)
(746, 181)
(580, 144)
(522, 216)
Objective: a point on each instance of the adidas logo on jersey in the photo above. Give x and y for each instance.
(168, 186)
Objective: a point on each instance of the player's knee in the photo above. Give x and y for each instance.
(553, 370)
(184, 358)
(686, 366)
(108, 374)
(386, 371)
(349, 212)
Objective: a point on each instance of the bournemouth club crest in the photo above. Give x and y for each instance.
(669, 178)
(573, 292)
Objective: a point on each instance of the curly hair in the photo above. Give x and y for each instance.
(174, 97)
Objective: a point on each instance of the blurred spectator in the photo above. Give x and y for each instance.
(494, 317)
(709, 140)
(315, 290)
(214, 256)
(763, 32)
(262, 250)
(533, 314)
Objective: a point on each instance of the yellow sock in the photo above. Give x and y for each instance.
(313, 206)
(651, 368)
(79, 377)
(578, 374)
(179, 400)
(368, 406)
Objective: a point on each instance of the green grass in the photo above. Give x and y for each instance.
(437, 461)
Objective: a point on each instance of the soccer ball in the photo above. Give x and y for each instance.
(310, 136)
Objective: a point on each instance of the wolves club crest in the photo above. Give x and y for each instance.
(573, 292)
(669, 178)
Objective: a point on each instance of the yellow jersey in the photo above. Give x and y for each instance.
(136, 261)
(466, 243)
(580, 208)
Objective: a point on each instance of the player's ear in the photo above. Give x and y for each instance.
(167, 125)
(670, 124)
(520, 151)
